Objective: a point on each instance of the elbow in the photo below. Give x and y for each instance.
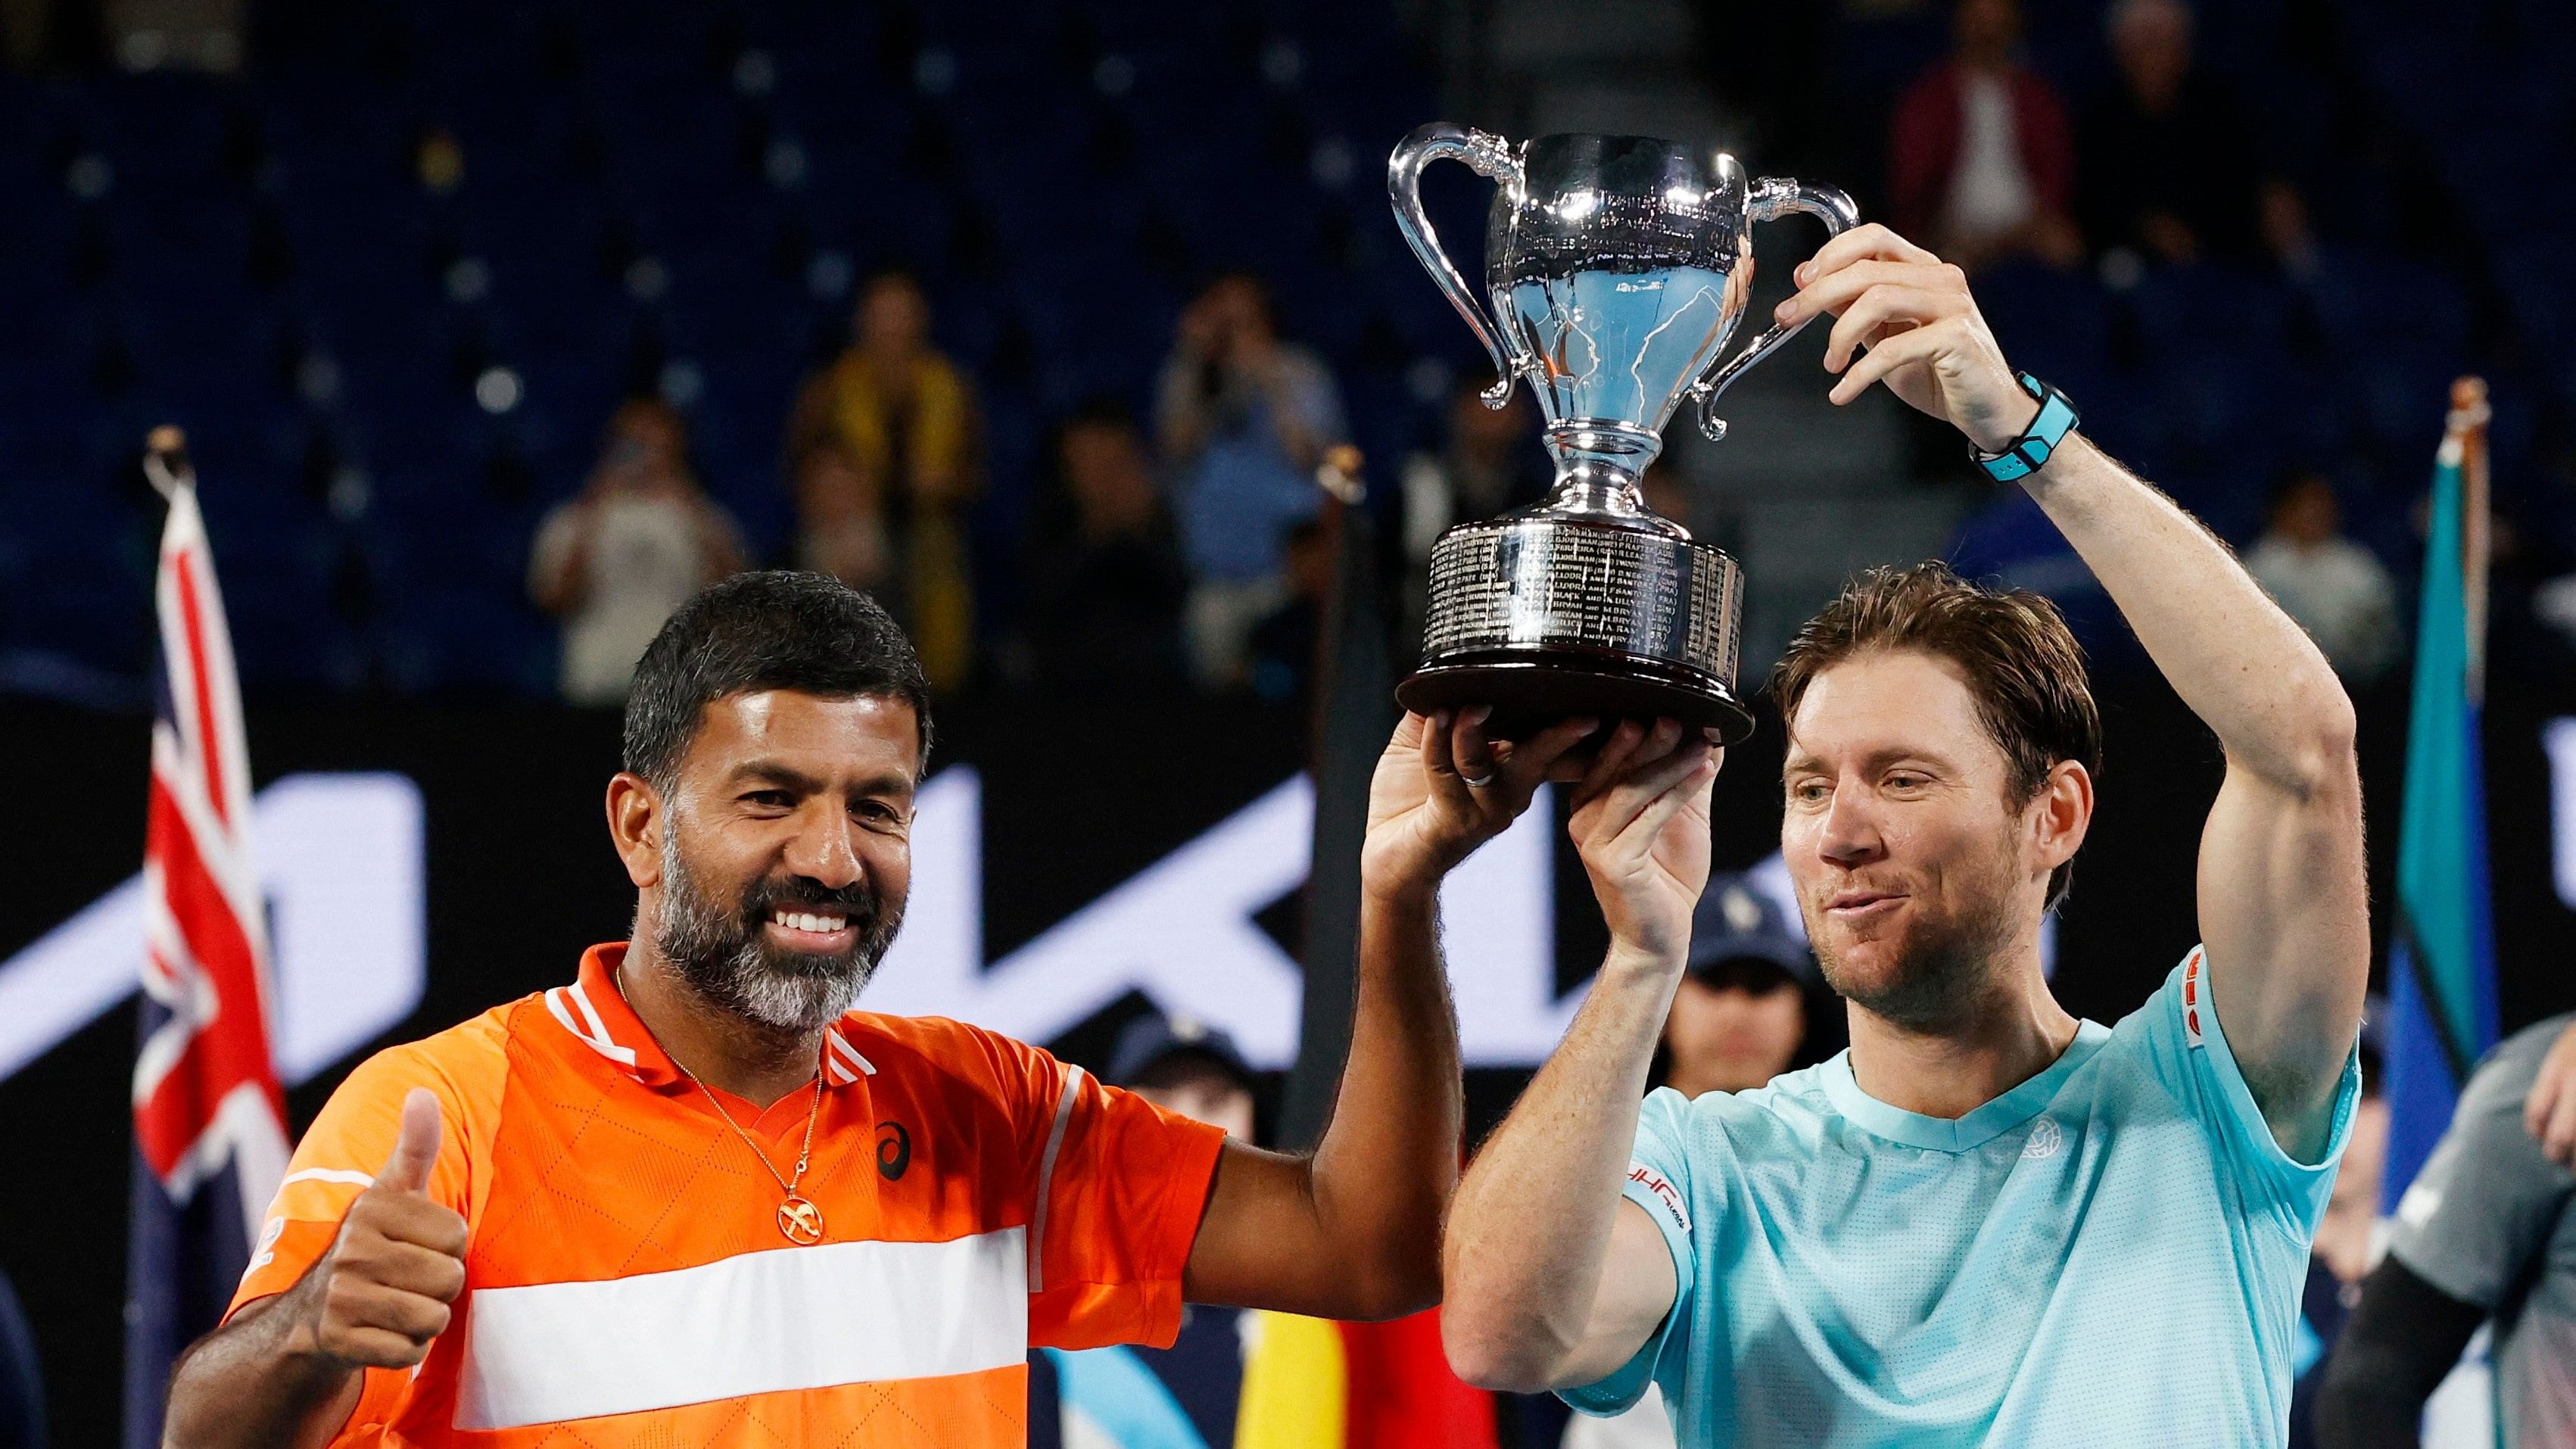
(1395, 1283)
(1490, 1344)
(2322, 760)
(1491, 1355)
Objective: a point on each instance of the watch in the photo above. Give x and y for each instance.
(2031, 451)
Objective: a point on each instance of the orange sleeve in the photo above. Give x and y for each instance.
(338, 1158)
(1119, 1185)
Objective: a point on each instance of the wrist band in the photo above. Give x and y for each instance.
(2031, 451)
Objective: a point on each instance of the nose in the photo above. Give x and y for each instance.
(820, 850)
(1850, 834)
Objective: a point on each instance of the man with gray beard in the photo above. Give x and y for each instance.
(692, 1197)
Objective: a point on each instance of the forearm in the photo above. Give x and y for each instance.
(1530, 1232)
(257, 1383)
(1388, 1161)
(2244, 666)
(2393, 1352)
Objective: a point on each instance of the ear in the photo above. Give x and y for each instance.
(2061, 814)
(635, 827)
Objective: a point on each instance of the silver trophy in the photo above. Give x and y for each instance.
(1617, 267)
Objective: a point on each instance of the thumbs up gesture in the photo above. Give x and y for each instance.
(381, 1295)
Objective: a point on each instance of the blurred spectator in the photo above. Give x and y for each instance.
(1281, 662)
(1741, 1014)
(1125, 1397)
(1740, 1017)
(2486, 1233)
(1246, 1378)
(2347, 1244)
(613, 563)
(1491, 462)
(1981, 160)
(883, 454)
(2169, 163)
(1102, 571)
(2334, 587)
(1243, 418)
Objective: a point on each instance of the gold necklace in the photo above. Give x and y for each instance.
(798, 1218)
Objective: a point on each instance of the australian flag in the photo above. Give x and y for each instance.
(209, 1119)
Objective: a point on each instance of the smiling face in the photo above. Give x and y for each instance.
(1915, 864)
(786, 852)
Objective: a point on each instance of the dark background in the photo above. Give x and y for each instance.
(1076, 799)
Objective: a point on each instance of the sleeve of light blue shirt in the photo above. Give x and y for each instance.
(1659, 1181)
(2187, 1045)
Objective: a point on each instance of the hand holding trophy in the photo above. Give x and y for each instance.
(1617, 268)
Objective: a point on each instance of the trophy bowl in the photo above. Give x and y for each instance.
(1616, 268)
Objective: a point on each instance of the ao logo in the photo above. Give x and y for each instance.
(1182, 932)
(340, 865)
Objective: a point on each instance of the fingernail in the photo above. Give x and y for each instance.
(1800, 275)
(1781, 312)
(1479, 714)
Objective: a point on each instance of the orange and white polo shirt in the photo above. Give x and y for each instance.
(627, 1283)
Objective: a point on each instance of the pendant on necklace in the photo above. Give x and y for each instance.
(801, 1221)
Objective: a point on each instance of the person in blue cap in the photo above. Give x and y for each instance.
(1185, 1396)
(1743, 1013)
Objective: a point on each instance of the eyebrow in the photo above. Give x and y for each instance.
(788, 777)
(1799, 760)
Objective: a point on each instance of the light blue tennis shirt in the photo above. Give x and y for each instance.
(2110, 1253)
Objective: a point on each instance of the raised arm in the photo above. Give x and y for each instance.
(1353, 1229)
(1553, 1279)
(2284, 906)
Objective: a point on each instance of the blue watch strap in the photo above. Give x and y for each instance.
(2031, 451)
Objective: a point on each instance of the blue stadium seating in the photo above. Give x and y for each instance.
(669, 192)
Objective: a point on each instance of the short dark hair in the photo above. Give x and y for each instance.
(2023, 666)
(775, 629)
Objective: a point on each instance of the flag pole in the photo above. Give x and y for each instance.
(2466, 430)
(165, 460)
(1354, 694)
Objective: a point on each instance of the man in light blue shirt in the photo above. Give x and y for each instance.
(1986, 1222)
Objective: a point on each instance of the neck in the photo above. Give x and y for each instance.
(1695, 1082)
(757, 1063)
(2004, 1035)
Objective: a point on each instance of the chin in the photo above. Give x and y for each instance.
(1873, 969)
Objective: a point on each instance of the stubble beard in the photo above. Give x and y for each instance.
(1944, 966)
(723, 957)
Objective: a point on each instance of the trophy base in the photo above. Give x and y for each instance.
(1530, 690)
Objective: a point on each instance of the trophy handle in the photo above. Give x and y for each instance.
(1772, 196)
(1491, 157)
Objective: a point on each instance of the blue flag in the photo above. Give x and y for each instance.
(2441, 957)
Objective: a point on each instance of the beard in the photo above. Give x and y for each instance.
(725, 956)
(1941, 967)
